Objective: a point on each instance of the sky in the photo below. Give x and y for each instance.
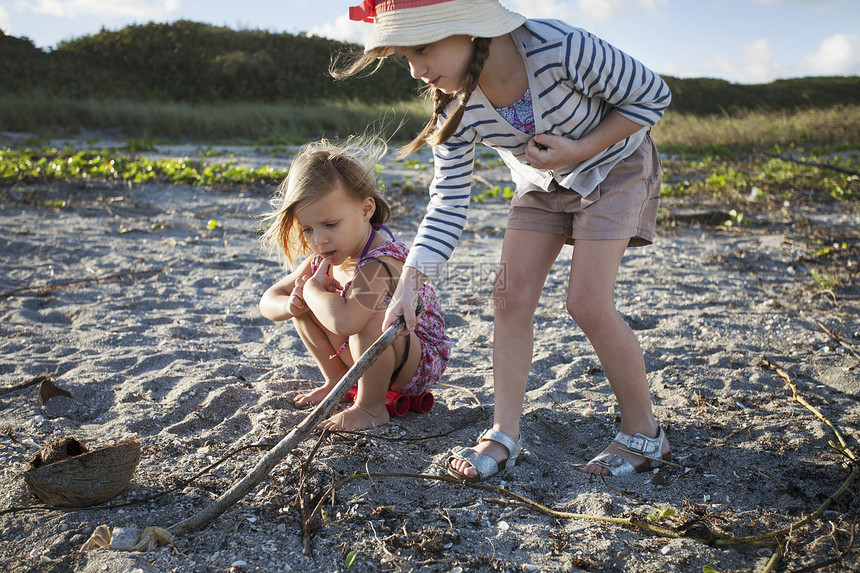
(741, 41)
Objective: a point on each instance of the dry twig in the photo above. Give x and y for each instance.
(696, 529)
(271, 459)
(44, 289)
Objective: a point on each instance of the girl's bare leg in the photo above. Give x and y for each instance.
(591, 303)
(369, 410)
(525, 263)
(318, 343)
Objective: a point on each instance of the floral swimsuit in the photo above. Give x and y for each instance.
(435, 344)
(521, 113)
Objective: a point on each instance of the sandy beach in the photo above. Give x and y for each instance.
(129, 301)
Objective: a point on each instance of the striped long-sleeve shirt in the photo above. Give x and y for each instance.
(576, 79)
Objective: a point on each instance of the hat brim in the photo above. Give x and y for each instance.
(425, 25)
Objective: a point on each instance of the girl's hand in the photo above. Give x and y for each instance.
(324, 280)
(296, 303)
(403, 301)
(546, 151)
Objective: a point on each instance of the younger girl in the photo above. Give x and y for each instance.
(330, 205)
(570, 116)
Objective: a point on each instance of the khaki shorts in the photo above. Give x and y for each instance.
(623, 206)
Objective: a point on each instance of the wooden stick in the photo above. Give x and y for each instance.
(239, 489)
(54, 286)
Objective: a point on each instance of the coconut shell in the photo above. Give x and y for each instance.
(65, 474)
(56, 451)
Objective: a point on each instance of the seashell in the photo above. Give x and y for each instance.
(48, 390)
(64, 473)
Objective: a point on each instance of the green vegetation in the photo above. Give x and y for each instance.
(751, 183)
(832, 127)
(768, 179)
(198, 63)
(51, 164)
(290, 123)
(752, 147)
(191, 62)
(663, 513)
(188, 80)
(707, 96)
(285, 123)
(493, 193)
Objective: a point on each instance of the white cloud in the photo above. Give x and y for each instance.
(837, 55)
(585, 11)
(543, 9)
(71, 8)
(4, 20)
(755, 64)
(344, 29)
(605, 9)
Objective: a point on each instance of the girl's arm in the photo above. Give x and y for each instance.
(282, 300)
(448, 208)
(547, 151)
(349, 315)
(637, 98)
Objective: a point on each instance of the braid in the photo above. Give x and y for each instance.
(482, 51)
(436, 134)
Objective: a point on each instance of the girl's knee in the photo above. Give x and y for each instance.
(515, 297)
(589, 312)
(364, 339)
(305, 324)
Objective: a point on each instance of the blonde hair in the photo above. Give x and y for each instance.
(438, 129)
(315, 171)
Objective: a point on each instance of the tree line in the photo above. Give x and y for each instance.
(192, 62)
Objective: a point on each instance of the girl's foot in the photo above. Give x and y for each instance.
(312, 398)
(488, 447)
(356, 418)
(618, 450)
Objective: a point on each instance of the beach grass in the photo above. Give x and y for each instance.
(832, 129)
(290, 123)
(286, 123)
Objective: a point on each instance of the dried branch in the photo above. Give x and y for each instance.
(697, 531)
(43, 289)
(838, 168)
(271, 459)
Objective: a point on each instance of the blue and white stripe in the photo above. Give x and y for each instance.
(576, 79)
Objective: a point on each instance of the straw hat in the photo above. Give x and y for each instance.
(419, 22)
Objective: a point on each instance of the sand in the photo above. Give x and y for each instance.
(126, 299)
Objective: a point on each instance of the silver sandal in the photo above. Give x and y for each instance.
(637, 444)
(485, 465)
